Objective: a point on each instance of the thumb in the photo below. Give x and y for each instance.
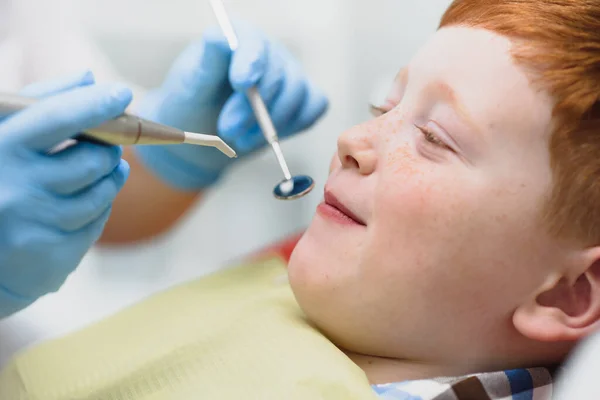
(58, 85)
(251, 59)
(51, 121)
(202, 68)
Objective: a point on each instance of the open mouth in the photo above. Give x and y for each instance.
(334, 209)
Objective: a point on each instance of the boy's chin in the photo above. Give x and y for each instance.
(300, 259)
(305, 266)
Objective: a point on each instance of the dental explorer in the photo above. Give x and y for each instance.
(291, 187)
(126, 129)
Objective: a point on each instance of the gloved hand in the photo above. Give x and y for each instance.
(54, 207)
(205, 93)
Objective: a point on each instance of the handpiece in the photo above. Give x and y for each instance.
(126, 129)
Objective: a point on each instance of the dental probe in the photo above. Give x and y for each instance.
(126, 129)
(291, 187)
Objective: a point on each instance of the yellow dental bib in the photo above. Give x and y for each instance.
(237, 334)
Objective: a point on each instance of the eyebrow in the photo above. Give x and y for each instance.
(451, 97)
(448, 93)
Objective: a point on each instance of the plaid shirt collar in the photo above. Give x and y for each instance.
(519, 384)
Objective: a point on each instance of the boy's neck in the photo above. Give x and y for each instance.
(387, 370)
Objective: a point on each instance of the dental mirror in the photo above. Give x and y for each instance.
(294, 188)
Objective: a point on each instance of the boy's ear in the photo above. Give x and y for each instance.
(567, 308)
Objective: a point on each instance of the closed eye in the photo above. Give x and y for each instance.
(377, 111)
(432, 138)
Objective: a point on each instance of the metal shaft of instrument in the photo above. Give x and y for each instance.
(279, 154)
(258, 105)
(268, 129)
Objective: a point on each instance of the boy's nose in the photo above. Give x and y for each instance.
(356, 150)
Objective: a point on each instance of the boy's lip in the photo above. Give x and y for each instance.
(332, 201)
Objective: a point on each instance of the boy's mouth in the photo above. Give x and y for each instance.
(336, 210)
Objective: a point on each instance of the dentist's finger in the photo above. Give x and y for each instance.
(77, 167)
(314, 106)
(202, 68)
(76, 212)
(58, 118)
(59, 85)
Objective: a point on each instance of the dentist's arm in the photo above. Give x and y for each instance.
(146, 206)
(205, 92)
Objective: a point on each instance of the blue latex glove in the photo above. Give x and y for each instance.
(54, 207)
(205, 92)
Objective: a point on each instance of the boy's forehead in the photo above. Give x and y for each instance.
(478, 67)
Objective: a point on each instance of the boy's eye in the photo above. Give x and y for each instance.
(428, 134)
(432, 138)
(377, 111)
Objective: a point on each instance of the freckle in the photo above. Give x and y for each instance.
(405, 165)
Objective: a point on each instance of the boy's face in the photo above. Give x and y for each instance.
(446, 189)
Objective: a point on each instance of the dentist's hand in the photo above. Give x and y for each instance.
(54, 207)
(205, 92)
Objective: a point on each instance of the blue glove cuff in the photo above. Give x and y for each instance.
(175, 171)
(11, 303)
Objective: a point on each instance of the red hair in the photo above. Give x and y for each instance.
(559, 42)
